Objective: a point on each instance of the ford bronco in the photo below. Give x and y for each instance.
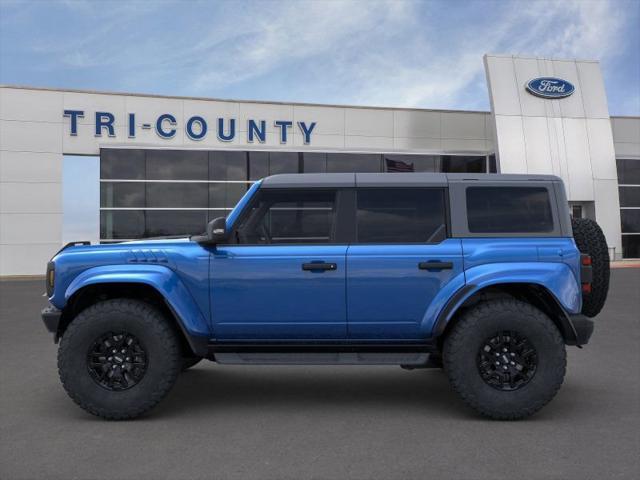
(486, 276)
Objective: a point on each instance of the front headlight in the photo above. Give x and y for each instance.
(50, 278)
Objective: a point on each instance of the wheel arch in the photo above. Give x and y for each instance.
(158, 287)
(535, 294)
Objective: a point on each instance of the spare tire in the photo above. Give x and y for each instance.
(590, 240)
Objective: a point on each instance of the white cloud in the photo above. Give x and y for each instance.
(275, 37)
(561, 30)
(394, 53)
(390, 54)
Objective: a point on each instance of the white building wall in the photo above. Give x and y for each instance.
(626, 136)
(569, 137)
(34, 136)
(30, 179)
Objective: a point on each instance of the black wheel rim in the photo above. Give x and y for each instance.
(117, 361)
(507, 361)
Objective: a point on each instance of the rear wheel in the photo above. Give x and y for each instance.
(505, 358)
(119, 358)
(590, 240)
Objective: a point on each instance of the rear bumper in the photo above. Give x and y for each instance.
(51, 318)
(583, 328)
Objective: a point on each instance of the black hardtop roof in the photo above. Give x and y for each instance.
(417, 179)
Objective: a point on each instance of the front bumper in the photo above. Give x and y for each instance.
(583, 328)
(51, 318)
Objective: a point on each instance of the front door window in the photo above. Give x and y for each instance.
(289, 218)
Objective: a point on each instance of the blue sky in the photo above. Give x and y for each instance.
(395, 53)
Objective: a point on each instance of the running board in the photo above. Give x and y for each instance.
(319, 354)
(320, 358)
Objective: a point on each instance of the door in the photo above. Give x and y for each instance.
(284, 278)
(402, 259)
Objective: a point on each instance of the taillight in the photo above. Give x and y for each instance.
(586, 273)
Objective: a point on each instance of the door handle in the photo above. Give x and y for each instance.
(435, 265)
(319, 266)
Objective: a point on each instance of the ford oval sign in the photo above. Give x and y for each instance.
(550, 87)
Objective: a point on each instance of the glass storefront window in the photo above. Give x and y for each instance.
(630, 221)
(411, 163)
(464, 164)
(629, 174)
(135, 224)
(314, 162)
(122, 224)
(493, 165)
(177, 195)
(122, 195)
(283, 162)
(227, 165)
(176, 165)
(353, 162)
(174, 222)
(226, 195)
(122, 164)
(258, 165)
(628, 171)
(629, 196)
(218, 179)
(631, 246)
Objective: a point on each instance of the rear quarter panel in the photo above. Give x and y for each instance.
(552, 263)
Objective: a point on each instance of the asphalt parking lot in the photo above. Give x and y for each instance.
(321, 422)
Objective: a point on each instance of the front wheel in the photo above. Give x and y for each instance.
(119, 358)
(505, 358)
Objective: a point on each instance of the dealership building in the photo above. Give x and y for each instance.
(108, 167)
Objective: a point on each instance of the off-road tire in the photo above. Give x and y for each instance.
(462, 348)
(154, 332)
(188, 362)
(590, 240)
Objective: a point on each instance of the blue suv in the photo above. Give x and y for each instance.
(485, 276)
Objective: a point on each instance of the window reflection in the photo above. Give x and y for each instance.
(176, 165)
(171, 222)
(227, 165)
(218, 179)
(258, 165)
(314, 162)
(463, 164)
(177, 195)
(226, 195)
(411, 163)
(123, 164)
(353, 162)
(121, 224)
(122, 195)
(283, 162)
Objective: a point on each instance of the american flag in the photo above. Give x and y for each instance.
(398, 166)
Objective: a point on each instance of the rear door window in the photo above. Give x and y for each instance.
(401, 215)
(509, 210)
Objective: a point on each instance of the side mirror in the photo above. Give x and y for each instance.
(217, 230)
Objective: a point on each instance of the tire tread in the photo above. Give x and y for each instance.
(468, 324)
(155, 322)
(590, 240)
